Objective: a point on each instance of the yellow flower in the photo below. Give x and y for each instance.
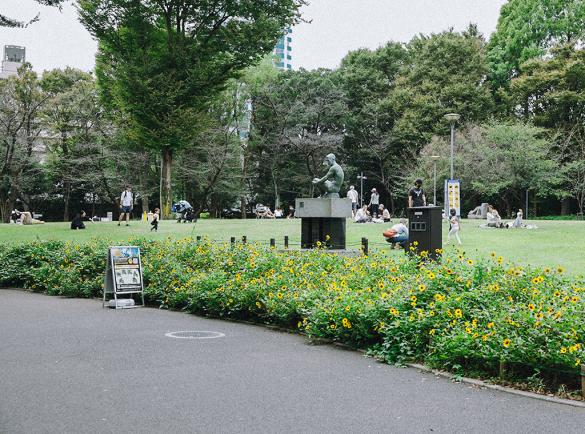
(394, 311)
(421, 287)
(506, 343)
(469, 262)
(531, 306)
(413, 298)
(560, 270)
(279, 295)
(563, 350)
(490, 325)
(432, 331)
(574, 299)
(458, 313)
(577, 362)
(539, 315)
(500, 259)
(258, 304)
(347, 308)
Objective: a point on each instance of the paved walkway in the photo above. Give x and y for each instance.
(69, 366)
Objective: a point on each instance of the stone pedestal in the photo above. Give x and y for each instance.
(323, 220)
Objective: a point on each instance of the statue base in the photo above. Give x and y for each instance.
(323, 222)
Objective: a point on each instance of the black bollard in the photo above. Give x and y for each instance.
(244, 239)
(365, 246)
(233, 241)
(272, 242)
(286, 241)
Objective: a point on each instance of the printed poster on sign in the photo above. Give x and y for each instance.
(126, 268)
(453, 196)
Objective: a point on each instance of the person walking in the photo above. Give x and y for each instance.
(374, 203)
(354, 196)
(455, 226)
(155, 219)
(416, 195)
(126, 205)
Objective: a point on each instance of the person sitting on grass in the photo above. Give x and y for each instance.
(26, 218)
(263, 212)
(397, 235)
(384, 213)
(77, 222)
(362, 215)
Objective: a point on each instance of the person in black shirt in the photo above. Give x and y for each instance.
(77, 222)
(416, 195)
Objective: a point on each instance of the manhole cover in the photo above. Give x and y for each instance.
(194, 335)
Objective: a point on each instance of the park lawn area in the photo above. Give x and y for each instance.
(553, 244)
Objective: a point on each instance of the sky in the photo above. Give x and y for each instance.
(334, 28)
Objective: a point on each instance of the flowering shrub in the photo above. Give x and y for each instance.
(452, 313)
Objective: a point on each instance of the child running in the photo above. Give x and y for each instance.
(155, 218)
(455, 226)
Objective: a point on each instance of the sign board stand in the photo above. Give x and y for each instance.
(452, 196)
(123, 276)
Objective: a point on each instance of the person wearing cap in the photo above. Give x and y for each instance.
(416, 195)
(354, 196)
(374, 203)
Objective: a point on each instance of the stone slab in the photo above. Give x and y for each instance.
(323, 208)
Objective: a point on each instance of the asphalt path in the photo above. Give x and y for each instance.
(70, 366)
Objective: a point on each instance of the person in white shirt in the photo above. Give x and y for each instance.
(362, 215)
(126, 205)
(384, 213)
(354, 196)
(455, 226)
(374, 203)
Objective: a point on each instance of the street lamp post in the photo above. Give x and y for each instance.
(452, 118)
(361, 177)
(435, 158)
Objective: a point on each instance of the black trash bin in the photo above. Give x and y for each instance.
(425, 229)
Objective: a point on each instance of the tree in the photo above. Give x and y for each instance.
(6, 21)
(527, 29)
(369, 79)
(551, 93)
(498, 163)
(21, 99)
(298, 119)
(161, 62)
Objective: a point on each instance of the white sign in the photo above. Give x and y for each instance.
(452, 196)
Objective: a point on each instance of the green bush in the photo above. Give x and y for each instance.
(450, 314)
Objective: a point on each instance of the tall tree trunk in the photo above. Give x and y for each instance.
(565, 206)
(243, 186)
(166, 198)
(66, 197)
(5, 209)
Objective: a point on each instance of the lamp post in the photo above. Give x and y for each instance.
(435, 158)
(452, 118)
(361, 177)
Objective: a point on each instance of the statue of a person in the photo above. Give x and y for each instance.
(331, 182)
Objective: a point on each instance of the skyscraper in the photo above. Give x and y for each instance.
(283, 51)
(14, 57)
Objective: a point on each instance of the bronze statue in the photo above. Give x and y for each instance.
(331, 182)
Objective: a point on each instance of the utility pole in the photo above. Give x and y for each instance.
(361, 177)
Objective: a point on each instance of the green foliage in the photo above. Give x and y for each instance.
(454, 312)
(161, 63)
(527, 29)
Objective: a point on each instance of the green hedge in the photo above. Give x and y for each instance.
(449, 314)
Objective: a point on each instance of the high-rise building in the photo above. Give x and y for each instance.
(14, 57)
(283, 51)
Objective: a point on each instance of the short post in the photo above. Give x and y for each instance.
(365, 246)
(233, 241)
(244, 239)
(272, 243)
(503, 369)
(198, 238)
(286, 241)
(583, 380)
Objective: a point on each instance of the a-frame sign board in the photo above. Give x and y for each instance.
(123, 275)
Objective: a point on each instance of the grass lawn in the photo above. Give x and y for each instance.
(554, 243)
